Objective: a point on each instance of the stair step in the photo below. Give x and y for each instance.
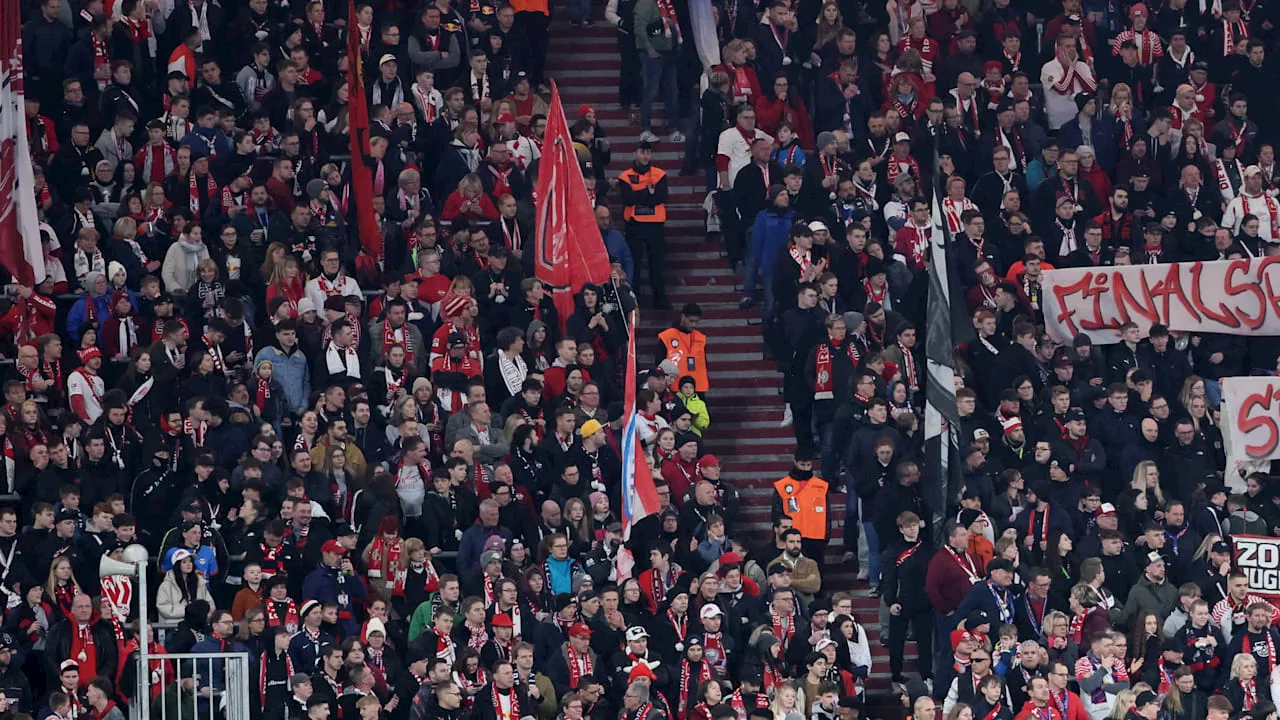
(744, 403)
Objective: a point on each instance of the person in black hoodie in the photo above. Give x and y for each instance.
(905, 563)
(1082, 456)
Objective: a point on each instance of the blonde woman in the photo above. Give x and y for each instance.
(469, 201)
(1056, 636)
(1121, 93)
(60, 588)
(1125, 700)
(787, 700)
(1146, 479)
(1242, 687)
(1192, 387)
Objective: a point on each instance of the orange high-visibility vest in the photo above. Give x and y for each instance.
(637, 182)
(805, 502)
(688, 350)
(538, 6)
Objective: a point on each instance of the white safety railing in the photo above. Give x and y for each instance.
(197, 686)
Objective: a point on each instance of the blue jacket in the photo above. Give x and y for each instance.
(796, 157)
(198, 139)
(768, 236)
(1101, 138)
(78, 316)
(328, 585)
(472, 544)
(292, 372)
(617, 247)
(213, 672)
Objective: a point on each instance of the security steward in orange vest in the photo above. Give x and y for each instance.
(644, 207)
(803, 498)
(686, 346)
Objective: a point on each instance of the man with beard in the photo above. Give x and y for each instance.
(1117, 223)
(803, 498)
(1082, 456)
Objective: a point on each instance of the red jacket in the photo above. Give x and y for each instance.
(28, 319)
(1075, 708)
(680, 477)
(771, 112)
(1029, 712)
(947, 583)
(453, 208)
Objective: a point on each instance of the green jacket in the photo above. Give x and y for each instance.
(423, 618)
(646, 13)
(698, 407)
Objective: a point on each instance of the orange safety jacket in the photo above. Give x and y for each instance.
(805, 502)
(688, 350)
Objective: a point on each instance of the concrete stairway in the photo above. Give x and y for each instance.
(745, 402)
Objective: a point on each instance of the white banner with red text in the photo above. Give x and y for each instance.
(1234, 297)
(1258, 557)
(1251, 417)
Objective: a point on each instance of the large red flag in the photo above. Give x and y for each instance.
(570, 250)
(358, 118)
(20, 250)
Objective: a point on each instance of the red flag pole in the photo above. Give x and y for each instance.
(358, 120)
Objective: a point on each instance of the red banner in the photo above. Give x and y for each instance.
(358, 117)
(1233, 297)
(570, 251)
(21, 252)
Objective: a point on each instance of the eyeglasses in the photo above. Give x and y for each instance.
(981, 659)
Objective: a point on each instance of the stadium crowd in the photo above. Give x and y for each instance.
(391, 472)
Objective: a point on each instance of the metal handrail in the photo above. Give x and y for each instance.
(194, 680)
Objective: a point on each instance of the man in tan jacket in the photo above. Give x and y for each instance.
(336, 436)
(806, 578)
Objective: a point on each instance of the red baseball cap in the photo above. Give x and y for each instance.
(333, 546)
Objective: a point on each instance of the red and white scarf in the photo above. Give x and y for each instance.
(909, 368)
(396, 336)
(101, 58)
(1232, 33)
(290, 620)
(1273, 208)
(157, 162)
(803, 259)
(262, 676)
(579, 665)
(783, 628)
(824, 376)
(953, 209)
(384, 557)
(215, 354)
(512, 710)
(1250, 689)
(263, 394)
(194, 200)
(670, 23)
(1247, 649)
(687, 675)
